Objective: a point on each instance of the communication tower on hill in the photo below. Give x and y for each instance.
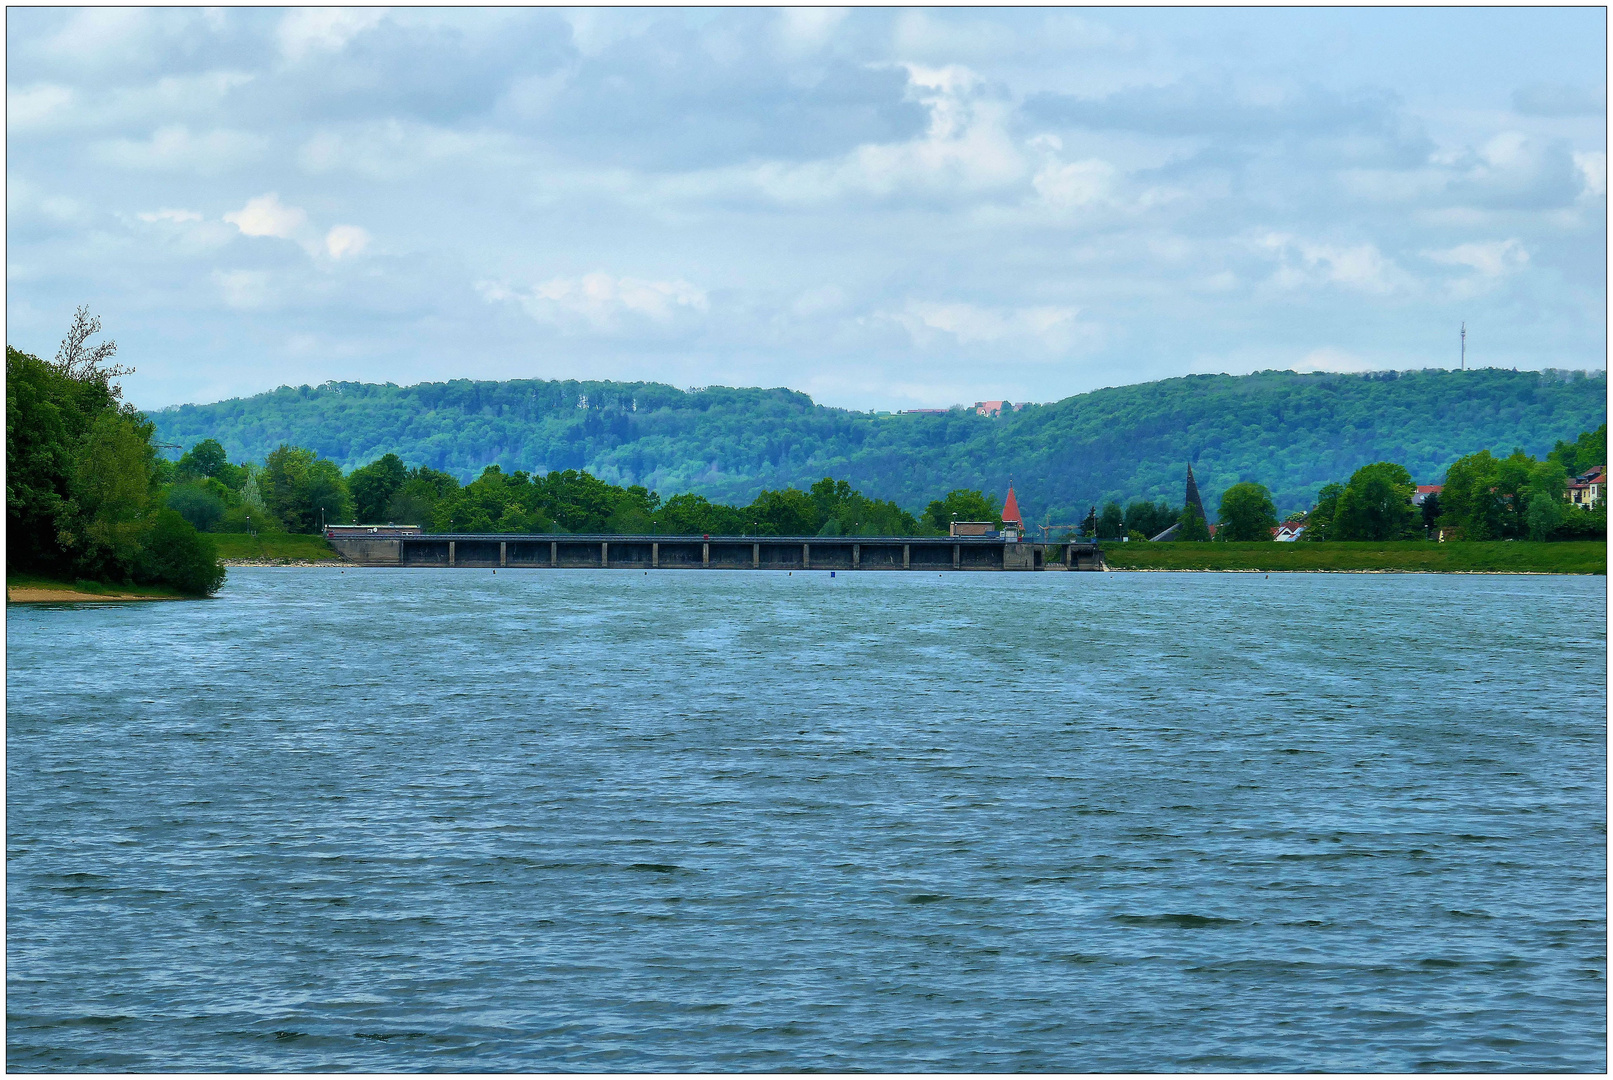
(1464, 346)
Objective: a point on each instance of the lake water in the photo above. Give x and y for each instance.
(606, 820)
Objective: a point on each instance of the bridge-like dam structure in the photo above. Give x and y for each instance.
(500, 550)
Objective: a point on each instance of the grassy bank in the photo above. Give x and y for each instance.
(272, 547)
(29, 589)
(1514, 556)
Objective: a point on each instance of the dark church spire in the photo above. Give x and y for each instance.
(1193, 500)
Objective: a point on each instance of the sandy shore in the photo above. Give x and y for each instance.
(36, 594)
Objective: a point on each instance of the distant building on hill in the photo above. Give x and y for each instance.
(925, 412)
(1590, 488)
(996, 408)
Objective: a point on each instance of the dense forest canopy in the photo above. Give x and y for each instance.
(84, 484)
(1290, 432)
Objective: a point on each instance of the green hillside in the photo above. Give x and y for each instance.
(1288, 431)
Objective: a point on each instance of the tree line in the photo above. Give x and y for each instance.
(294, 490)
(1292, 432)
(1483, 497)
(84, 481)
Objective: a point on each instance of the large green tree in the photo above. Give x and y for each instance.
(1111, 521)
(82, 476)
(1583, 454)
(305, 491)
(374, 485)
(1149, 519)
(1193, 527)
(962, 504)
(1375, 504)
(1247, 513)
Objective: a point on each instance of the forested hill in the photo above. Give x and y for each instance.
(1289, 431)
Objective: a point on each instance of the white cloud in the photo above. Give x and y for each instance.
(928, 35)
(244, 290)
(309, 30)
(1361, 267)
(1048, 327)
(1492, 259)
(175, 148)
(267, 216)
(394, 150)
(38, 106)
(26, 200)
(806, 30)
(965, 150)
(345, 240)
(820, 301)
(96, 37)
(603, 302)
(176, 217)
(1592, 167)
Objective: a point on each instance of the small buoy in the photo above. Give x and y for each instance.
(831, 573)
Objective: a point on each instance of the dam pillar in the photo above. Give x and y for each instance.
(906, 561)
(604, 554)
(806, 556)
(450, 553)
(503, 554)
(956, 557)
(756, 556)
(655, 556)
(554, 553)
(705, 556)
(856, 556)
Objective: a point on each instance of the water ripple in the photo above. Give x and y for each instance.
(593, 821)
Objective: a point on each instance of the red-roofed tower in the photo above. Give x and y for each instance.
(1011, 509)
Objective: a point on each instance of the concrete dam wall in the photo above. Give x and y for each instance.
(711, 553)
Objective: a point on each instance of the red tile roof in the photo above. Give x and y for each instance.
(1011, 509)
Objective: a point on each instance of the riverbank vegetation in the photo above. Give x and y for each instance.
(294, 492)
(1519, 556)
(274, 547)
(1291, 432)
(1483, 497)
(84, 481)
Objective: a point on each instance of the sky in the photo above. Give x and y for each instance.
(884, 208)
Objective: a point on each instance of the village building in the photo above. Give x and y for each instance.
(996, 408)
(1589, 489)
(1422, 491)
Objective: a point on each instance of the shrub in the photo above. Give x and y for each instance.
(175, 554)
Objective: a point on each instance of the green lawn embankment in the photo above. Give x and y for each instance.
(274, 547)
(1501, 556)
